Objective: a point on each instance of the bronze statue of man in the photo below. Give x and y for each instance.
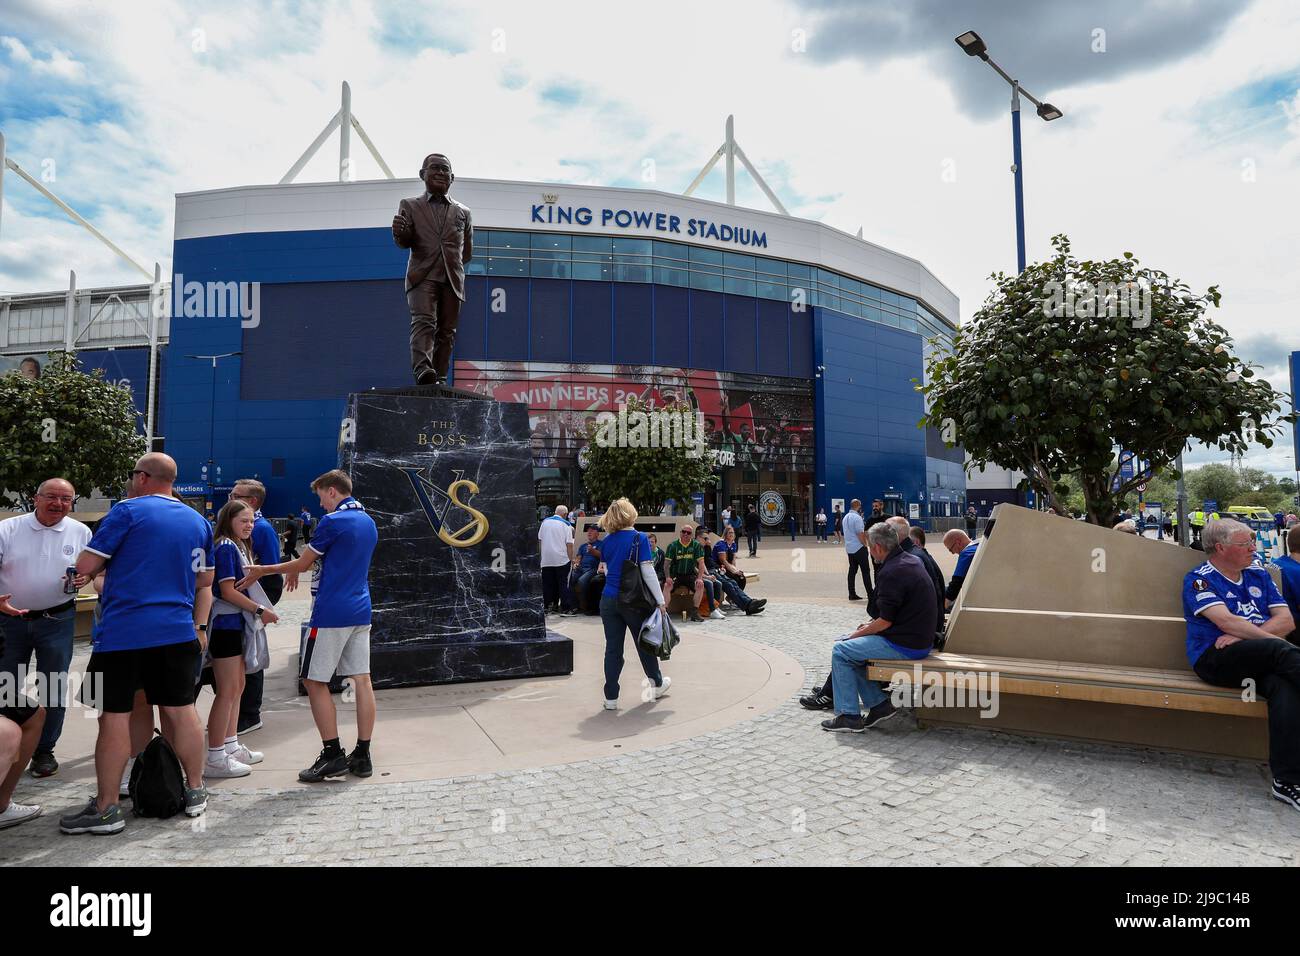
(440, 234)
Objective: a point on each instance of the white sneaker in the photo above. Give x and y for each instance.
(244, 755)
(17, 813)
(662, 689)
(124, 790)
(611, 705)
(717, 615)
(225, 766)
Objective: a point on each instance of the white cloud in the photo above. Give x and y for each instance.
(57, 64)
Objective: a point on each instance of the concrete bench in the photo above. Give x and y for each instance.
(1082, 628)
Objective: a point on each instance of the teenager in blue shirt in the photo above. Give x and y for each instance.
(620, 540)
(153, 617)
(266, 550)
(339, 640)
(227, 757)
(1236, 625)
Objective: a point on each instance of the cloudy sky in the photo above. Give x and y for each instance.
(1180, 141)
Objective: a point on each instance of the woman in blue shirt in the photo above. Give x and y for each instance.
(619, 542)
(233, 538)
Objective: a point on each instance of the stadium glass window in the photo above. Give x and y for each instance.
(771, 290)
(592, 270)
(506, 266)
(771, 267)
(550, 265)
(633, 247)
(551, 241)
(738, 286)
(593, 244)
(738, 261)
(667, 276)
(630, 272)
(798, 271)
(708, 281)
(511, 240)
(712, 257)
(670, 251)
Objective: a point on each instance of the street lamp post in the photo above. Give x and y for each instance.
(970, 42)
(212, 411)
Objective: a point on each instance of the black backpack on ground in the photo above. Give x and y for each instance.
(157, 785)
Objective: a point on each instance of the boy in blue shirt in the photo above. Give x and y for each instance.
(339, 640)
(1236, 622)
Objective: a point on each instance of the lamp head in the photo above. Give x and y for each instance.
(970, 42)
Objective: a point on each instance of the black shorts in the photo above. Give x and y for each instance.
(165, 674)
(226, 642)
(22, 712)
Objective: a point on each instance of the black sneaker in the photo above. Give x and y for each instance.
(325, 766)
(756, 607)
(247, 727)
(818, 701)
(845, 724)
(854, 597)
(1287, 793)
(694, 616)
(882, 711)
(359, 764)
(43, 765)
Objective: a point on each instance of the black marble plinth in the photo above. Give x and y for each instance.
(465, 605)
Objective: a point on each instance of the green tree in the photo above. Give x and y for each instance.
(1039, 382)
(65, 424)
(620, 465)
(1213, 482)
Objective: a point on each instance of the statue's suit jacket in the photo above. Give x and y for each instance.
(438, 254)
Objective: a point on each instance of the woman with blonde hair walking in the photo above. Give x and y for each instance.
(621, 542)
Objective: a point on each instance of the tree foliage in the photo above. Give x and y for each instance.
(65, 424)
(645, 476)
(1055, 391)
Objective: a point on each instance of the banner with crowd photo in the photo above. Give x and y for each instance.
(127, 368)
(764, 421)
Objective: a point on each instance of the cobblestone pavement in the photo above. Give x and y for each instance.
(775, 789)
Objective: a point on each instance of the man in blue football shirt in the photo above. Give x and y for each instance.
(339, 640)
(153, 621)
(1236, 622)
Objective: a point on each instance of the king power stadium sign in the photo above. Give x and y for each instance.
(551, 214)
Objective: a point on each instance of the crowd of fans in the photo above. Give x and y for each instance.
(181, 603)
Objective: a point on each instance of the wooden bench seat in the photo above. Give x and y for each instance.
(1063, 680)
(1084, 629)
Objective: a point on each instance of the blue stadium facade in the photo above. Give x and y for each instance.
(800, 344)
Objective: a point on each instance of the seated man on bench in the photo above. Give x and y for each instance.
(1236, 627)
(904, 630)
(586, 565)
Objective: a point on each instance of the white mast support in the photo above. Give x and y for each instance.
(762, 183)
(345, 135)
(156, 304)
(730, 143)
(305, 158)
(356, 125)
(70, 312)
(708, 167)
(75, 216)
(732, 151)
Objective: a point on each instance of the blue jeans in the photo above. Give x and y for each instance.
(734, 591)
(849, 675)
(711, 593)
(51, 639)
(618, 621)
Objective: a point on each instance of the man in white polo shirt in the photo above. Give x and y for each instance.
(556, 537)
(38, 604)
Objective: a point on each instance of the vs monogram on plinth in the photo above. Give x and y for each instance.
(455, 581)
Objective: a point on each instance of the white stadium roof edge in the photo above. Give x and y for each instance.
(509, 205)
